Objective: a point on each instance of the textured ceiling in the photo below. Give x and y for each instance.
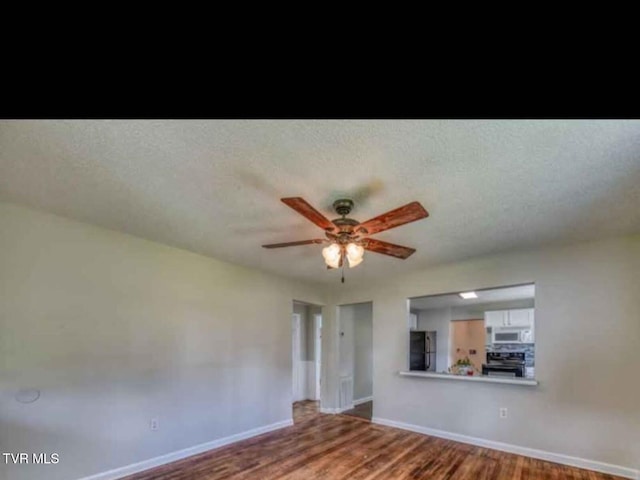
(213, 187)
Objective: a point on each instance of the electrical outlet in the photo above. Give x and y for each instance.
(154, 424)
(503, 412)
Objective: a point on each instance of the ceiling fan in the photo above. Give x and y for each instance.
(348, 237)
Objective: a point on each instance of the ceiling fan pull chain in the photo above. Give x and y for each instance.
(343, 273)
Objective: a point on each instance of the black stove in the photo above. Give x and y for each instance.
(504, 364)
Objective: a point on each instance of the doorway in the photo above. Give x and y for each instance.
(356, 359)
(317, 335)
(296, 348)
(306, 353)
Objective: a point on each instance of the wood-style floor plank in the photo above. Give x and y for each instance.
(364, 411)
(335, 447)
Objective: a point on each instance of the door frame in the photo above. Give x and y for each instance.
(317, 335)
(296, 373)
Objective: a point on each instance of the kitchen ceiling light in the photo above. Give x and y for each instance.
(468, 295)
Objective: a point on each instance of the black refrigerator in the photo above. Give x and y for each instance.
(422, 351)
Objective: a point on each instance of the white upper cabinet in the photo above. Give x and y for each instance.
(496, 318)
(522, 317)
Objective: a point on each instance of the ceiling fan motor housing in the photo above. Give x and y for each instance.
(346, 226)
(343, 206)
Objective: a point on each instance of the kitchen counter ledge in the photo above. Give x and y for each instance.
(531, 382)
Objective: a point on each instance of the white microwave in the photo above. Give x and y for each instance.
(511, 335)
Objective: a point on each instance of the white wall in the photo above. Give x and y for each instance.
(115, 330)
(312, 311)
(302, 310)
(356, 344)
(438, 320)
(347, 342)
(307, 360)
(363, 352)
(587, 343)
(315, 355)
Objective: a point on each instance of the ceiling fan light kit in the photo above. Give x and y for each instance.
(332, 255)
(355, 254)
(348, 238)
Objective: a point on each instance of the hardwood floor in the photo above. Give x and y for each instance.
(305, 410)
(363, 411)
(327, 447)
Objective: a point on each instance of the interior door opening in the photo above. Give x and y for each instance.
(297, 386)
(355, 388)
(306, 357)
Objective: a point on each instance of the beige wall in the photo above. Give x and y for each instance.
(587, 361)
(115, 330)
(467, 335)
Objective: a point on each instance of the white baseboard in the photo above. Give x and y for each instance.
(363, 400)
(187, 452)
(525, 451)
(348, 407)
(336, 410)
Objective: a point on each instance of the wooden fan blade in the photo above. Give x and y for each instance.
(293, 244)
(303, 208)
(406, 214)
(386, 248)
